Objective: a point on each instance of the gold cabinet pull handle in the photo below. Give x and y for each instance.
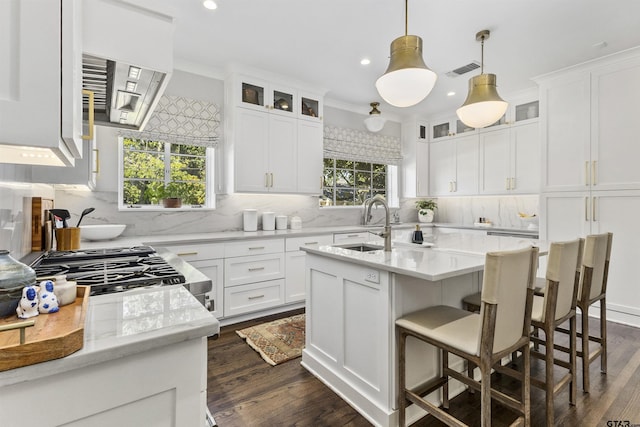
(506, 183)
(593, 209)
(256, 297)
(586, 209)
(266, 179)
(255, 248)
(256, 269)
(271, 175)
(97, 164)
(186, 253)
(91, 96)
(586, 173)
(593, 173)
(513, 183)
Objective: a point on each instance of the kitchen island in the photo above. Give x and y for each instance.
(354, 298)
(143, 362)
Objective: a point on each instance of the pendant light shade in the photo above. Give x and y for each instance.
(375, 122)
(483, 106)
(407, 80)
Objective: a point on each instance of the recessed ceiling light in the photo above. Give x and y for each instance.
(134, 72)
(451, 93)
(365, 61)
(210, 4)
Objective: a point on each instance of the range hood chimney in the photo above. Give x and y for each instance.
(125, 94)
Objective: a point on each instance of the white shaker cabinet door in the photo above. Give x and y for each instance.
(466, 182)
(309, 157)
(283, 154)
(564, 104)
(525, 158)
(565, 215)
(442, 167)
(251, 151)
(615, 151)
(495, 176)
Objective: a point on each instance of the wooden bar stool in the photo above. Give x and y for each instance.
(592, 288)
(501, 327)
(556, 306)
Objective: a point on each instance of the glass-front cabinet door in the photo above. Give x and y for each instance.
(260, 95)
(310, 106)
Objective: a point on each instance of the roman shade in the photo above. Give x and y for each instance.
(357, 145)
(181, 120)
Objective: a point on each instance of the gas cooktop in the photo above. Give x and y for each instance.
(109, 270)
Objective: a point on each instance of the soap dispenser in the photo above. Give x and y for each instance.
(417, 235)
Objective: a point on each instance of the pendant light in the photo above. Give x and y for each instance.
(483, 106)
(407, 80)
(375, 122)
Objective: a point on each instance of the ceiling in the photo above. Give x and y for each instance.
(321, 42)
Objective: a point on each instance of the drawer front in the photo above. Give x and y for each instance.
(352, 237)
(253, 297)
(253, 247)
(295, 243)
(198, 251)
(241, 270)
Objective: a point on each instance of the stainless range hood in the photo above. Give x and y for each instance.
(124, 94)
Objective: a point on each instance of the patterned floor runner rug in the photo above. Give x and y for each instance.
(277, 341)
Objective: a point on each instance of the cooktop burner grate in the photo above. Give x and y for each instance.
(110, 270)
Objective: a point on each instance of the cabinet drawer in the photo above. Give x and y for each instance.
(198, 251)
(253, 297)
(295, 243)
(253, 247)
(351, 237)
(251, 269)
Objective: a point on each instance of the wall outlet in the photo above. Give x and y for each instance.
(372, 276)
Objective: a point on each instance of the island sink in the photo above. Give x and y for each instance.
(360, 247)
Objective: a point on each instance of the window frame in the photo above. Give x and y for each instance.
(391, 184)
(210, 193)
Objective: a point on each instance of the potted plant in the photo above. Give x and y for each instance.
(172, 195)
(426, 210)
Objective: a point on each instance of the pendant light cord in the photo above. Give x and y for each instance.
(406, 17)
(482, 55)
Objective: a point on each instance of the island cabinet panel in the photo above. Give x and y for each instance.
(351, 342)
(135, 390)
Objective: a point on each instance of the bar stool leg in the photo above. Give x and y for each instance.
(585, 348)
(603, 335)
(572, 360)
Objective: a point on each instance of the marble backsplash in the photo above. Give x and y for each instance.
(501, 210)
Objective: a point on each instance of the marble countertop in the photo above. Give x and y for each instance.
(126, 323)
(224, 236)
(450, 254)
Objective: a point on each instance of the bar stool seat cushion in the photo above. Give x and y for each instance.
(452, 326)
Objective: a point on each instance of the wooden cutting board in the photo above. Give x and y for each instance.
(39, 214)
(53, 336)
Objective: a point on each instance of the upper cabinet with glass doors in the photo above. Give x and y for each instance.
(447, 127)
(263, 95)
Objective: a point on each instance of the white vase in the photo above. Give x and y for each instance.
(427, 217)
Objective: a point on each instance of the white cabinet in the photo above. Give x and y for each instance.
(510, 160)
(265, 152)
(447, 127)
(295, 264)
(85, 172)
(566, 215)
(309, 151)
(415, 159)
(254, 274)
(453, 166)
(208, 259)
(274, 138)
(588, 127)
(40, 82)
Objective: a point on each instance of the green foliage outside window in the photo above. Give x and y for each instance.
(154, 170)
(349, 183)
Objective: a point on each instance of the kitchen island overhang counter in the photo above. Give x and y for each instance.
(144, 350)
(354, 298)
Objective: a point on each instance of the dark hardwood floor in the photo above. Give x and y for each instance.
(244, 391)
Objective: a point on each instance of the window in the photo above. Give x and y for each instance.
(349, 183)
(155, 170)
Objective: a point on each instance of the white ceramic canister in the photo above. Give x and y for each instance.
(268, 221)
(250, 220)
(296, 223)
(281, 222)
(65, 291)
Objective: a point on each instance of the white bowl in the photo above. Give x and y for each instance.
(101, 231)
